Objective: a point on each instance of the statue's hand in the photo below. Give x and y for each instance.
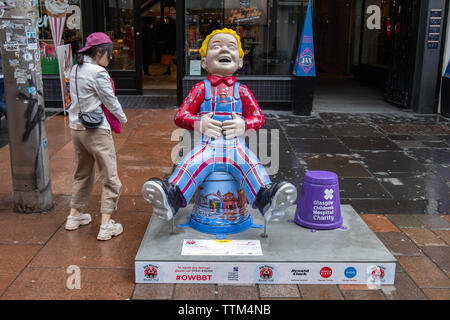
(233, 128)
(210, 127)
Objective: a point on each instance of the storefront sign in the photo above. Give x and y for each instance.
(246, 12)
(72, 13)
(195, 67)
(434, 28)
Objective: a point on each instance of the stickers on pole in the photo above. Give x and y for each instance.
(11, 46)
(31, 40)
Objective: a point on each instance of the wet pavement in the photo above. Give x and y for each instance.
(402, 160)
(394, 169)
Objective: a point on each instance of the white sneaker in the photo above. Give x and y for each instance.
(110, 230)
(74, 222)
(154, 193)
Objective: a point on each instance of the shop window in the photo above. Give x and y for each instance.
(269, 32)
(66, 29)
(119, 25)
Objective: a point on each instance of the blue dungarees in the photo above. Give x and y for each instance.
(223, 155)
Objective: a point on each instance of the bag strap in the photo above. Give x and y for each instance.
(76, 86)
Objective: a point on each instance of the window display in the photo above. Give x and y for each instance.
(269, 31)
(120, 28)
(60, 20)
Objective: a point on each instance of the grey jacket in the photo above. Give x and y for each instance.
(94, 88)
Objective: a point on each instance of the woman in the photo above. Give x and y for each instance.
(90, 88)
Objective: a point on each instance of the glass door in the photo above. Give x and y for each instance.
(121, 21)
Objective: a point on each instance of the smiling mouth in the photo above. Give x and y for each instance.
(224, 60)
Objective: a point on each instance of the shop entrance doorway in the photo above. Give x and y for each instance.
(352, 55)
(120, 19)
(159, 73)
(332, 26)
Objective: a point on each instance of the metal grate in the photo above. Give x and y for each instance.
(153, 102)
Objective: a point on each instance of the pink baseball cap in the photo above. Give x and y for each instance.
(95, 39)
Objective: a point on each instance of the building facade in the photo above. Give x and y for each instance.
(395, 46)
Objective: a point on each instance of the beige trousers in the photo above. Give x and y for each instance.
(95, 146)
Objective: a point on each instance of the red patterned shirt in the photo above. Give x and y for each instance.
(187, 115)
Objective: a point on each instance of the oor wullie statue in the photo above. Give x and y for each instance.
(222, 110)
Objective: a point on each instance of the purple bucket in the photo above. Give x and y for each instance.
(319, 204)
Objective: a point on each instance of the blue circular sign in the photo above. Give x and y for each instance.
(350, 272)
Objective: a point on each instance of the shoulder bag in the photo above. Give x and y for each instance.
(89, 120)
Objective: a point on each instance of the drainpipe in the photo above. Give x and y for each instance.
(19, 46)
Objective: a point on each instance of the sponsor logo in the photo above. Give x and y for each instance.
(234, 274)
(378, 273)
(326, 272)
(151, 271)
(300, 272)
(306, 60)
(298, 275)
(266, 272)
(350, 272)
(328, 194)
(190, 242)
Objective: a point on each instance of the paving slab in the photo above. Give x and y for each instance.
(157, 291)
(234, 292)
(439, 255)
(399, 244)
(62, 284)
(405, 221)
(320, 292)
(424, 272)
(404, 289)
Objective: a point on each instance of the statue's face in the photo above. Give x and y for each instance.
(222, 57)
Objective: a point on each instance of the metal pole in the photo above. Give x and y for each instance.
(25, 106)
(174, 230)
(264, 234)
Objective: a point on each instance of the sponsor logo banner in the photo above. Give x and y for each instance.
(254, 272)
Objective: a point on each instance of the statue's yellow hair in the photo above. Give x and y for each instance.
(205, 42)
